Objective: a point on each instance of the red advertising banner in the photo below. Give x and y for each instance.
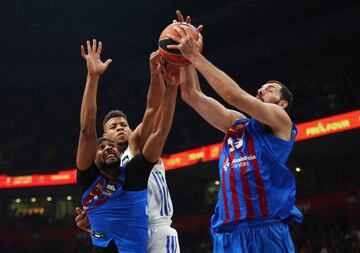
(312, 129)
(61, 178)
(330, 125)
(193, 156)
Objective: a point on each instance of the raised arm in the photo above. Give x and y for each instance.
(162, 123)
(87, 137)
(208, 108)
(155, 93)
(267, 113)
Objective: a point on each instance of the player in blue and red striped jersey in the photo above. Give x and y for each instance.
(257, 190)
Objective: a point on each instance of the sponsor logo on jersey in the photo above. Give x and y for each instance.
(242, 161)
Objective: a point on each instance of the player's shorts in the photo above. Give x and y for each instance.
(162, 239)
(266, 236)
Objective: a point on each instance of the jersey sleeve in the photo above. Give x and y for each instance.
(137, 173)
(86, 177)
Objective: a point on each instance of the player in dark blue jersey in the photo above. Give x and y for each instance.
(115, 198)
(257, 191)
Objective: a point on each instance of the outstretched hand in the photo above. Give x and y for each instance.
(94, 64)
(188, 20)
(188, 46)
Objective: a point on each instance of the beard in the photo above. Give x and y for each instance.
(110, 166)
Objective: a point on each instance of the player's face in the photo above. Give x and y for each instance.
(107, 155)
(117, 129)
(270, 93)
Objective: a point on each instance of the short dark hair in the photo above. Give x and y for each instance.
(113, 114)
(286, 94)
(102, 139)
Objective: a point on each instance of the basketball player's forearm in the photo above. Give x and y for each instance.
(88, 107)
(227, 88)
(155, 93)
(163, 121)
(156, 90)
(164, 117)
(208, 108)
(190, 86)
(87, 140)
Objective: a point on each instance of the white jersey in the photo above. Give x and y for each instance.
(160, 208)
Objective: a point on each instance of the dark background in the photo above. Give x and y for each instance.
(311, 46)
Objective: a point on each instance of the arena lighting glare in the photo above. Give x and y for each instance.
(49, 199)
(69, 198)
(18, 200)
(33, 200)
(217, 182)
(297, 169)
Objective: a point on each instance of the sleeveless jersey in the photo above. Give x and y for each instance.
(255, 183)
(160, 208)
(116, 214)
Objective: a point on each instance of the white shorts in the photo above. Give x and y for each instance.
(163, 239)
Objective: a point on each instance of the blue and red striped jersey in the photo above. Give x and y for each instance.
(255, 183)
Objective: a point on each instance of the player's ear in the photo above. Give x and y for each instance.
(283, 103)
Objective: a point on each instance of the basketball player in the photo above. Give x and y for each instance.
(257, 190)
(115, 199)
(162, 237)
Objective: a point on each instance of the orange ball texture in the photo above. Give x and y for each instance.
(174, 56)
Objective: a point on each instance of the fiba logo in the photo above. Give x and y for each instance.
(235, 144)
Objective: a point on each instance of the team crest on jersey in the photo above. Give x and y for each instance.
(234, 144)
(96, 191)
(125, 160)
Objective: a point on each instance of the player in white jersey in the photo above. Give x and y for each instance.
(162, 238)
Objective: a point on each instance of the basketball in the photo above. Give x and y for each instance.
(174, 56)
